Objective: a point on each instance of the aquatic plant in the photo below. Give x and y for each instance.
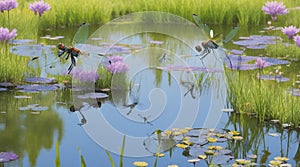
(260, 63)
(116, 65)
(290, 31)
(8, 5)
(297, 40)
(274, 8)
(39, 7)
(5, 35)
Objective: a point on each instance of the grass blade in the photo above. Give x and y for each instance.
(110, 159)
(122, 152)
(57, 159)
(83, 164)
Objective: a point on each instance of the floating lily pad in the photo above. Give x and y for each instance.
(7, 85)
(3, 89)
(236, 52)
(238, 62)
(31, 50)
(20, 41)
(8, 156)
(256, 40)
(156, 42)
(40, 80)
(93, 96)
(41, 108)
(256, 46)
(37, 87)
(189, 69)
(22, 97)
(272, 77)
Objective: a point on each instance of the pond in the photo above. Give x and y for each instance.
(166, 87)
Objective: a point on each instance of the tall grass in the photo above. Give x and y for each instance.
(69, 13)
(266, 99)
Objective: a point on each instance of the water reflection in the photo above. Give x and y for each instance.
(27, 134)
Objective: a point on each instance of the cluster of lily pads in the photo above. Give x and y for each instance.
(202, 144)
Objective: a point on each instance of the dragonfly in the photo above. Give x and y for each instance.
(80, 37)
(209, 46)
(56, 64)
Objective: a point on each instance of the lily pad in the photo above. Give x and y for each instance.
(3, 89)
(238, 62)
(20, 41)
(255, 40)
(272, 77)
(189, 69)
(37, 87)
(7, 85)
(40, 80)
(236, 52)
(93, 96)
(22, 97)
(41, 108)
(31, 50)
(156, 42)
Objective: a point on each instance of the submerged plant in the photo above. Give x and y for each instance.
(274, 8)
(290, 31)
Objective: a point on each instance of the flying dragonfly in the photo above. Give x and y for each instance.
(207, 46)
(80, 37)
(56, 63)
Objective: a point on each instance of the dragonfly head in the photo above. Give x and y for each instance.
(61, 46)
(198, 48)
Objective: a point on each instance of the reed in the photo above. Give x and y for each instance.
(265, 99)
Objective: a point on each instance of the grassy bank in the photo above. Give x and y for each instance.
(69, 13)
(266, 100)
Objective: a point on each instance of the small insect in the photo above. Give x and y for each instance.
(145, 119)
(71, 52)
(210, 45)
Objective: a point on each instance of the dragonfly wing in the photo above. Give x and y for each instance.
(82, 34)
(231, 34)
(201, 25)
(54, 65)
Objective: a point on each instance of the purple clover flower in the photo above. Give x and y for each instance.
(274, 8)
(116, 65)
(5, 35)
(10, 4)
(260, 63)
(85, 75)
(290, 31)
(2, 6)
(7, 156)
(39, 7)
(297, 40)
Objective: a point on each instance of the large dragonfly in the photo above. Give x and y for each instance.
(57, 64)
(80, 37)
(207, 46)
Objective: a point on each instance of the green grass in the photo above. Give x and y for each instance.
(266, 99)
(70, 13)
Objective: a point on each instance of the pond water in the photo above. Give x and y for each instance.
(166, 87)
